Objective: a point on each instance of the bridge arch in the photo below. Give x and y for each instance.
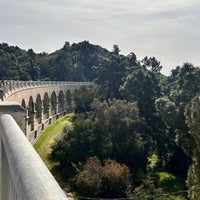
(40, 102)
(69, 100)
(23, 104)
(31, 111)
(61, 101)
(53, 103)
(46, 106)
(39, 109)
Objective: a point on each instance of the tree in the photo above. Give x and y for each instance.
(152, 64)
(183, 86)
(110, 180)
(120, 129)
(113, 130)
(192, 113)
(76, 146)
(88, 180)
(141, 86)
(83, 98)
(116, 49)
(32, 64)
(110, 74)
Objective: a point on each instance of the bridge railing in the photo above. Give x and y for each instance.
(23, 174)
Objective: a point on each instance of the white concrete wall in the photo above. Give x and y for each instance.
(24, 176)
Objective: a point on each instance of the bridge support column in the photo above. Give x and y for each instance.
(49, 116)
(65, 105)
(56, 108)
(26, 122)
(42, 114)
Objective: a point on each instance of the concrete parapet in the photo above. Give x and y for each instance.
(16, 111)
(28, 177)
(10, 86)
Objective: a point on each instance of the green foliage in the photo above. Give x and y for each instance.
(153, 161)
(169, 182)
(119, 125)
(148, 191)
(110, 73)
(142, 86)
(83, 98)
(111, 131)
(71, 63)
(76, 146)
(192, 113)
(152, 63)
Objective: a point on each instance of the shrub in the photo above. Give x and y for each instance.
(96, 180)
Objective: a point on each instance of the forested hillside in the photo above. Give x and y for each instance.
(71, 63)
(136, 121)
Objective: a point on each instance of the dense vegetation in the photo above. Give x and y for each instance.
(132, 128)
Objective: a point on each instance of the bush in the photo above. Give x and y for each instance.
(115, 179)
(96, 180)
(88, 181)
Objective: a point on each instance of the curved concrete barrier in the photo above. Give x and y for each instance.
(23, 174)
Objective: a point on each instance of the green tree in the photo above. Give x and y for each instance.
(110, 75)
(76, 146)
(142, 86)
(120, 129)
(183, 86)
(192, 113)
(112, 130)
(83, 98)
(32, 64)
(152, 64)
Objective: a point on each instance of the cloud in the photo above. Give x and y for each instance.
(168, 30)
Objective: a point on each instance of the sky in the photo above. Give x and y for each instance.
(168, 30)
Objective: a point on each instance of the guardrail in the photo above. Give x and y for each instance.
(23, 174)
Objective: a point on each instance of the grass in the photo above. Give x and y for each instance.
(47, 139)
(165, 180)
(169, 182)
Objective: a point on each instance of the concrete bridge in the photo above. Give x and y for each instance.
(27, 108)
(36, 104)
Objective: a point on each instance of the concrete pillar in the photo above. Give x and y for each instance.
(56, 107)
(26, 121)
(65, 105)
(42, 113)
(49, 115)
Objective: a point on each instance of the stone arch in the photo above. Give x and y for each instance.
(53, 103)
(31, 113)
(61, 101)
(23, 104)
(38, 108)
(46, 106)
(69, 100)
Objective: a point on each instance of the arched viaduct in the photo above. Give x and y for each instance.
(36, 104)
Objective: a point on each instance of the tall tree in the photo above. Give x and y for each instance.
(192, 113)
(142, 86)
(110, 76)
(152, 64)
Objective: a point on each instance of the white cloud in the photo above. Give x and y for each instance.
(168, 30)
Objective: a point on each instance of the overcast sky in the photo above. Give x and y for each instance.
(168, 30)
